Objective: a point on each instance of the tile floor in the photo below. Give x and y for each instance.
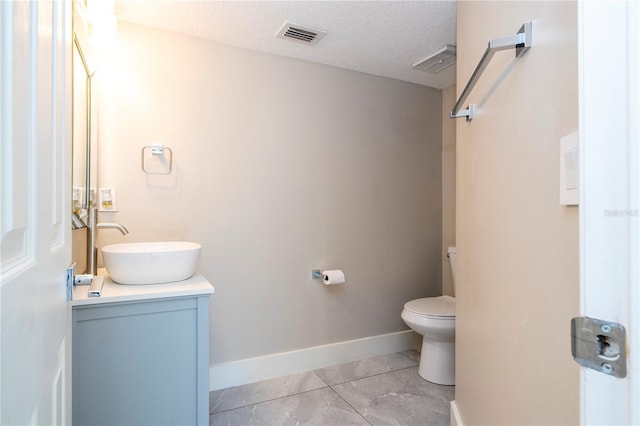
(384, 390)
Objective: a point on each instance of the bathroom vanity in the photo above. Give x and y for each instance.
(141, 354)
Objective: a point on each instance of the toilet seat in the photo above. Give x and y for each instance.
(442, 307)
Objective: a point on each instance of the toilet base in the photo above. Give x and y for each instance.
(437, 362)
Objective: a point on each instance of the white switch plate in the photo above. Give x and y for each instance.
(569, 170)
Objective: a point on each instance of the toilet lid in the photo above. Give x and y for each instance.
(441, 306)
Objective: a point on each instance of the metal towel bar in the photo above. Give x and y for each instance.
(521, 41)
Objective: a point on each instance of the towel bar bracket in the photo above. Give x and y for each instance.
(468, 113)
(525, 34)
(520, 41)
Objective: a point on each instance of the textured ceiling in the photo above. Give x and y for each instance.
(376, 37)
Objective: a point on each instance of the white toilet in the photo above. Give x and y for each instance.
(435, 319)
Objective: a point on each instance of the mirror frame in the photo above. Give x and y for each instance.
(88, 118)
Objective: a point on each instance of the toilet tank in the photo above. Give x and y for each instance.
(451, 254)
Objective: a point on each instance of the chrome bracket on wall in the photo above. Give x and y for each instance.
(521, 41)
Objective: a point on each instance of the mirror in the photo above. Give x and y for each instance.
(84, 151)
(81, 128)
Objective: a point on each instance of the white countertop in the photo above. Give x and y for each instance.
(112, 292)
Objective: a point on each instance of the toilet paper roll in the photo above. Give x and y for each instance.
(333, 277)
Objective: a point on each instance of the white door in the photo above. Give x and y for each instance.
(609, 86)
(35, 135)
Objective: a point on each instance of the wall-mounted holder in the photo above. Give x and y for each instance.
(329, 277)
(107, 200)
(92, 198)
(158, 154)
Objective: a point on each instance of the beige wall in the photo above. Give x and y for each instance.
(518, 248)
(281, 166)
(448, 186)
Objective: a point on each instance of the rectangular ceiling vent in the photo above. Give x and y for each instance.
(440, 60)
(300, 33)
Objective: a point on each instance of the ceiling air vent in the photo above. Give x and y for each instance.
(440, 60)
(300, 33)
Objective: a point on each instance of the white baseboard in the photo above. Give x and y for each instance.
(251, 370)
(454, 418)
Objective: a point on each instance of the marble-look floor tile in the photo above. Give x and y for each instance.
(412, 355)
(265, 390)
(318, 407)
(399, 398)
(349, 371)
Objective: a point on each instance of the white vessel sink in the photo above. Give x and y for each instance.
(151, 263)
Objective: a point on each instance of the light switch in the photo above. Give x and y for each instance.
(569, 170)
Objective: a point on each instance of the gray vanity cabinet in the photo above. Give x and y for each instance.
(142, 362)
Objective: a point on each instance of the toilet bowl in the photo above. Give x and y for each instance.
(434, 318)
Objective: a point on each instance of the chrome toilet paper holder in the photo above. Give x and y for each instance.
(329, 277)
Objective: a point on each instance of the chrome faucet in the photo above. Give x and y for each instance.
(121, 228)
(92, 228)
